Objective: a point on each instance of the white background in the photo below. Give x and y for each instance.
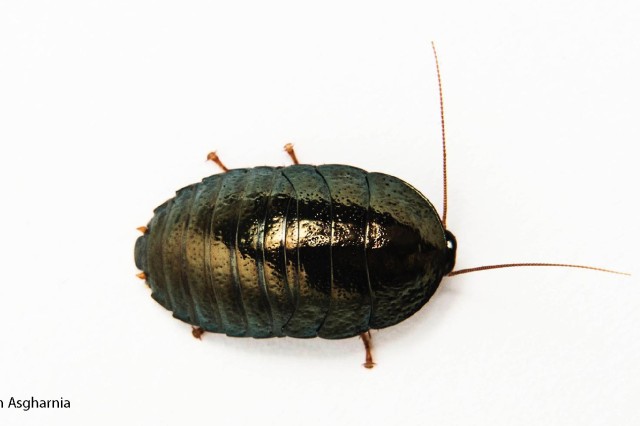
(106, 108)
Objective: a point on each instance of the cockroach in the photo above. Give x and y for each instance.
(303, 251)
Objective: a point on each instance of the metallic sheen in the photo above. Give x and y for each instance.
(301, 251)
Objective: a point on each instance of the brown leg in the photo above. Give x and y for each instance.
(197, 332)
(144, 277)
(289, 150)
(366, 339)
(214, 157)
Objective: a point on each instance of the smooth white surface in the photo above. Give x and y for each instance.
(107, 108)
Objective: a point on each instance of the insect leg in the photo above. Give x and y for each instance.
(289, 150)
(366, 339)
(214, 157)
(197, 332)
(143, 276)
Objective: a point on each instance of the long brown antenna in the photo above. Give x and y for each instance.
(444, 144)
(513, 265)
(444, 208)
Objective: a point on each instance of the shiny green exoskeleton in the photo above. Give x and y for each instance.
(301, 251)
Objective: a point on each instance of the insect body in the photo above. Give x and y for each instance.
(300, 251)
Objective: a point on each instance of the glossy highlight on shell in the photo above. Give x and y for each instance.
(302, 251)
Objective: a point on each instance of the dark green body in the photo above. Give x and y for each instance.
(301, 251)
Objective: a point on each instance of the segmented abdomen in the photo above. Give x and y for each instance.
(292, 251)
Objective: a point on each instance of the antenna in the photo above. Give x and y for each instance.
(444, 144)
(514, 265)
(444, 208)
